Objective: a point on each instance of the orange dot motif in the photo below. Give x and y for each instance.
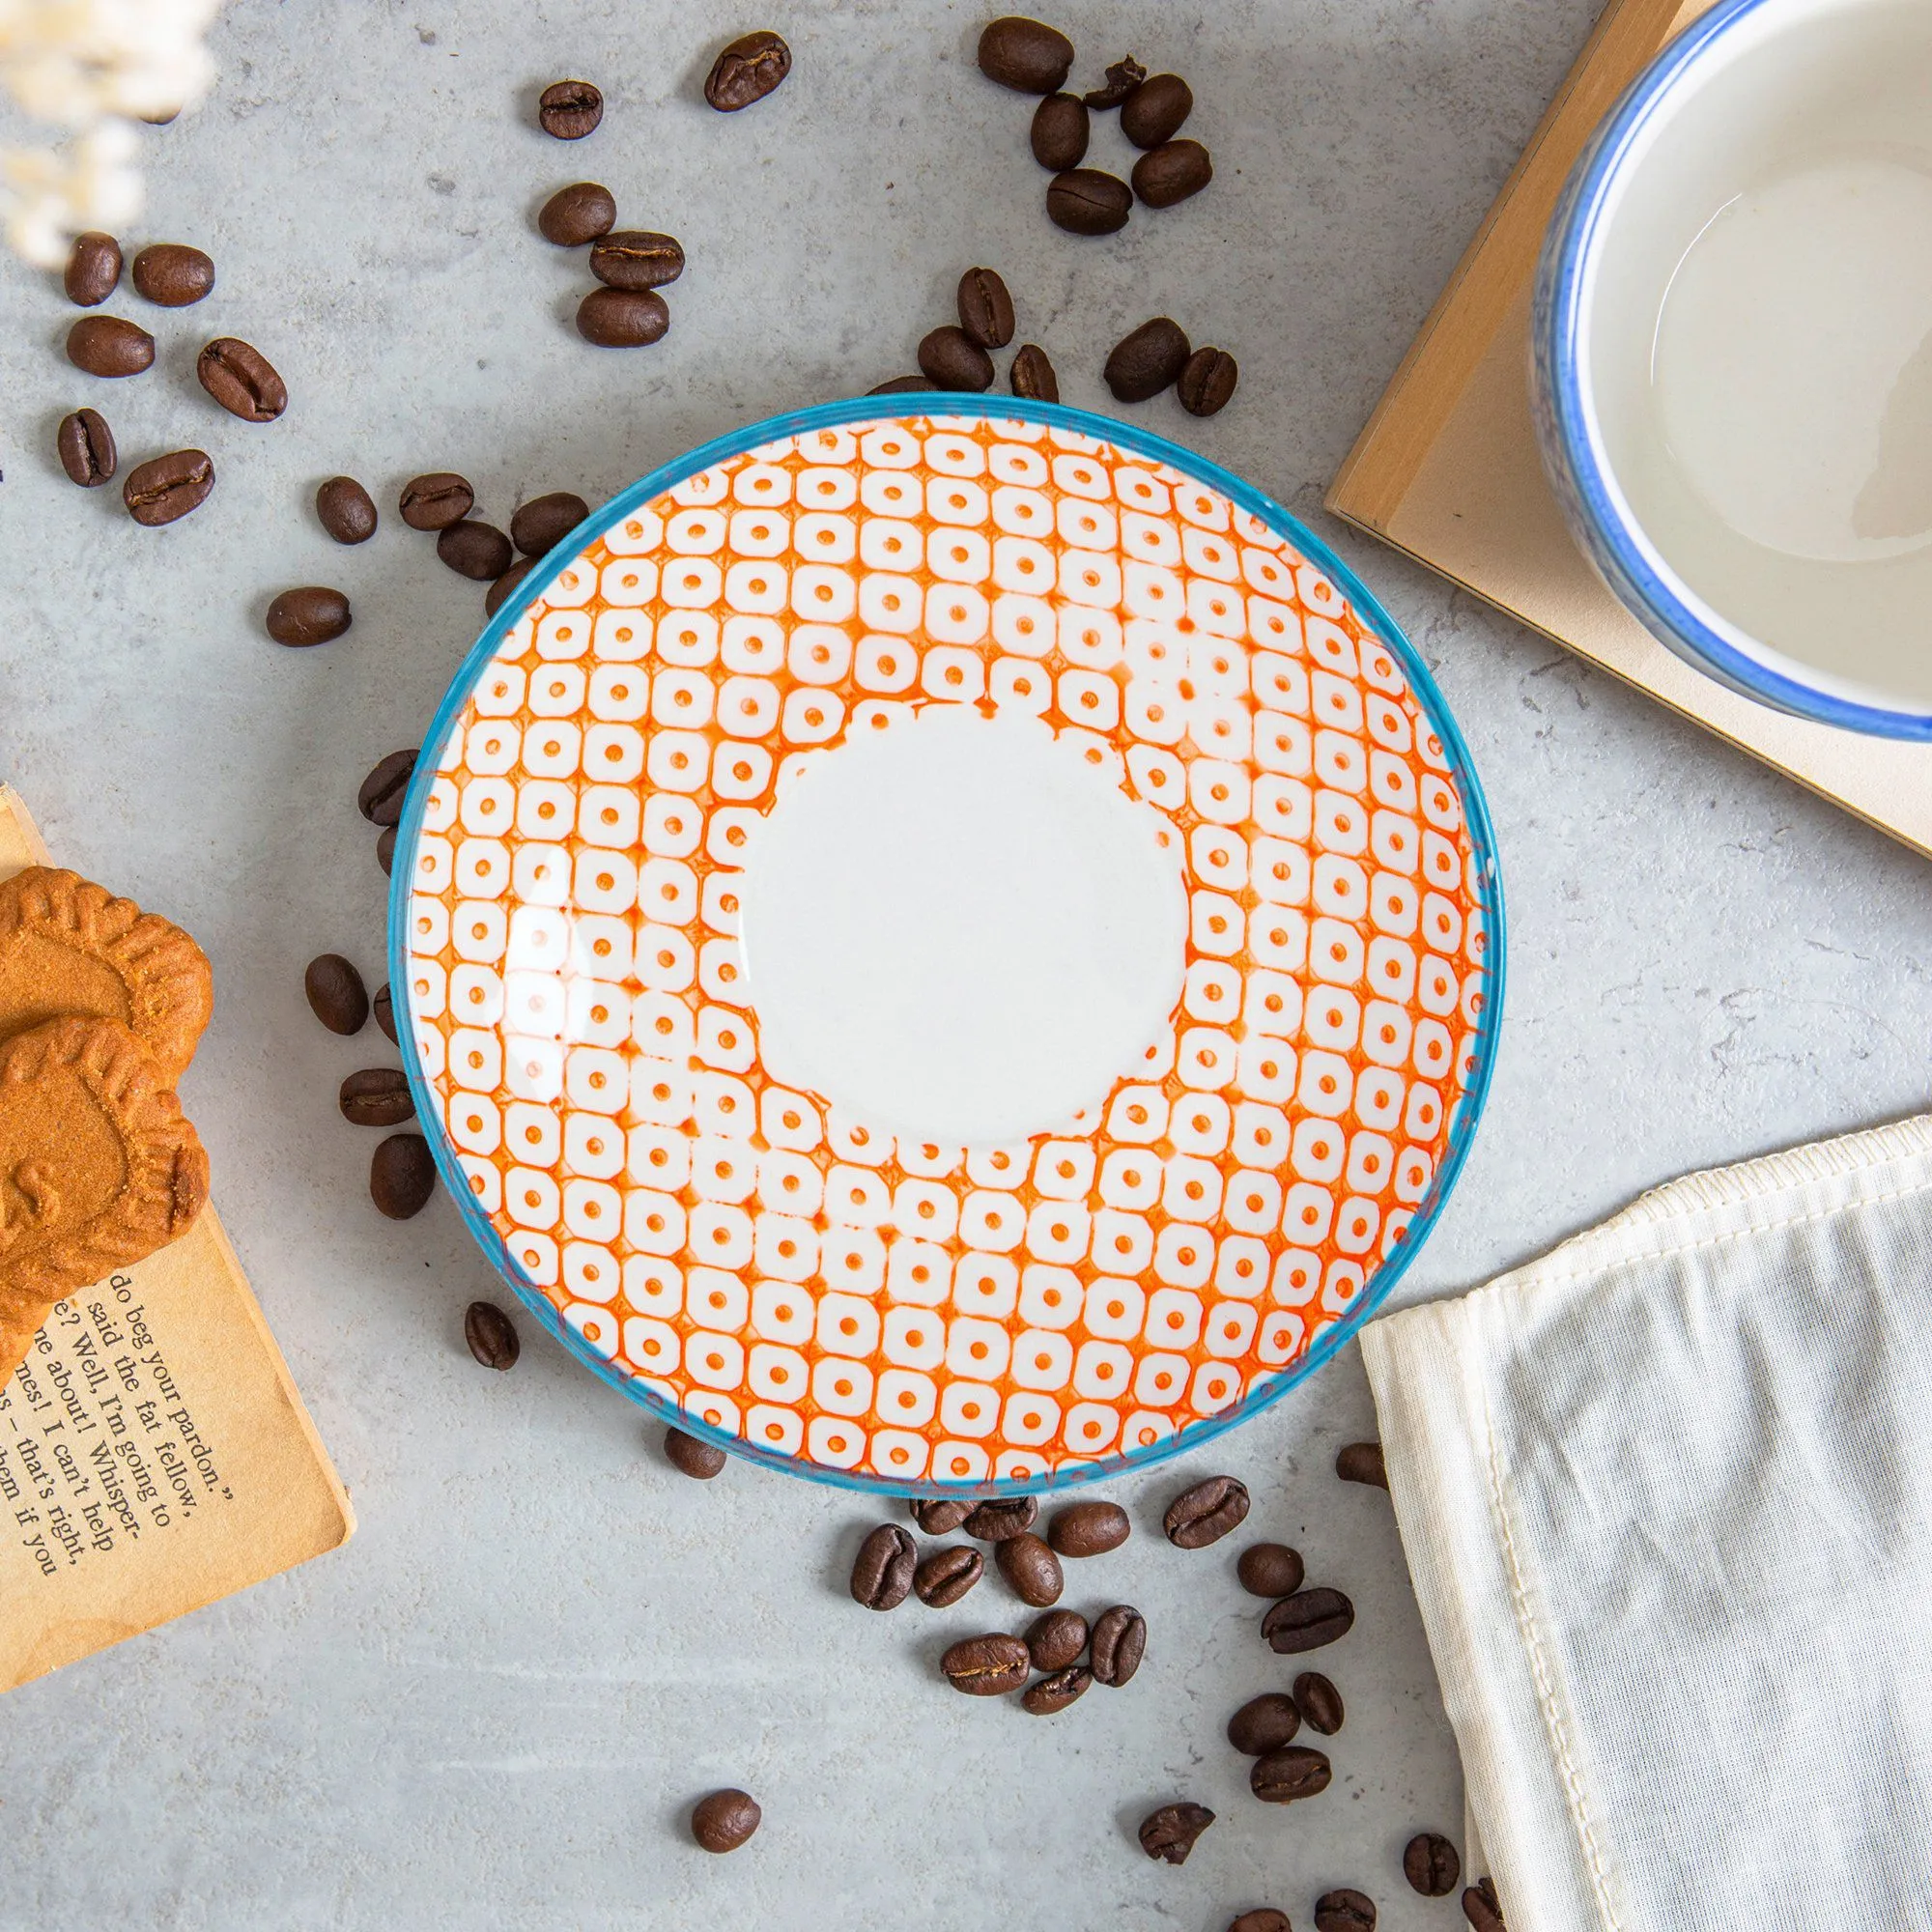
(786, 1272)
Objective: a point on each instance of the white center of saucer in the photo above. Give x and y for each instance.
(959, 929)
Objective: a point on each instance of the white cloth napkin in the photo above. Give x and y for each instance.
(1666, 1496)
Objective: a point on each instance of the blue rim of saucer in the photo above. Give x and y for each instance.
(1573, 453)
(898, 409)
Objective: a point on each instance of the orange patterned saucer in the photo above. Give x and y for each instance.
(947, 949)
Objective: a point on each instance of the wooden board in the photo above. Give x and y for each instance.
(1448, 470)
(155, 1454)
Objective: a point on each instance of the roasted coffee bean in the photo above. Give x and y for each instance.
(1482, 1907)
(1307, 1621)
(1172, 173)
(1147, 361)
(691, 1457)
(93, 268)
(1263, 1725)
(939, 1516)
(241, 379)
(1362, 1463)
(622, 317)
(946, 1574)
(1088, 1530)
(636, 258)
(1122, 78)
(1031, 375)
(1320, 1702)
(1262, 1919)
(1345, 1911)
(109, 345)
(725, 1820)
(1024, 56)
(171, 274)
(995, 1521)
(1205, 1512)
(1428, 1863)
(380, 797)
(1153, 112)
(386, 850)
(435, 501)
(954, 360)
(167, 489)
(1170, 1833)
(986, 1667)
(378, 1096)
(882, 1573)
(86, 448)
(1291, 1773)
(1031, 1569)
(1119, 1643)
(336, 995)
(344, 510)
(1269, 1570)
(1057, 1639)
(1060, 131)
(986, 308)
(491, 1334)
(578, 213)
(567, 110)
(902, 385)
(314, 614)
(505, 586)
(475, 549)
(1208, 382)
(383, 1007)
(1084, 201)
(746, 70)
(402, 1176)
(1054, 1694)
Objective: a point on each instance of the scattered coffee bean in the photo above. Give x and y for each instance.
(1262, 1919)
(1119, 1642)
(435, 501)
(946, 1574)
(491, 1334)
(1147, 361)
(336, 995)
(1088, 1530)
(954, 360)
(93, 268)
(1283, 1776)
(475, 549)
(1085, 201)
(725, 1820)
(986, 308)
(1428, 1863)
(544, 521)
(746, 70)
(380, 796)
(690, 1456)
(902, 385)
(402, 1176)
(1269, 1570)
(1345, 1911)
(882, 1573)
(505, 586)
(314, 614)
(167, 489)
(569, 109)
(344, 510)
(1153, 112)
(1362, 1463)
(383, 1007)
(1307, 1621)
(939, 1516)
(1031, 375)
(86, 448)
(1482, 1907)
(386, 850)
(1320, 1702)
(378, 1096)
(986, 1667)
(578, 213)
(1170, 1833)
(1024, 56)
(995, 1521)
(171, 274)
(241, 379)
(109, 345)
(1205, 1512)
(1054, 1694)
(1208, 382)
(1031, 1569)
(622, 317)
(1172, 173)
(1057, 1639)
(636, 258)
(1263, 1725)
(1060, 131)
(1122, 78)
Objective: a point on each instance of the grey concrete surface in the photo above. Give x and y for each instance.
(494, 1706)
